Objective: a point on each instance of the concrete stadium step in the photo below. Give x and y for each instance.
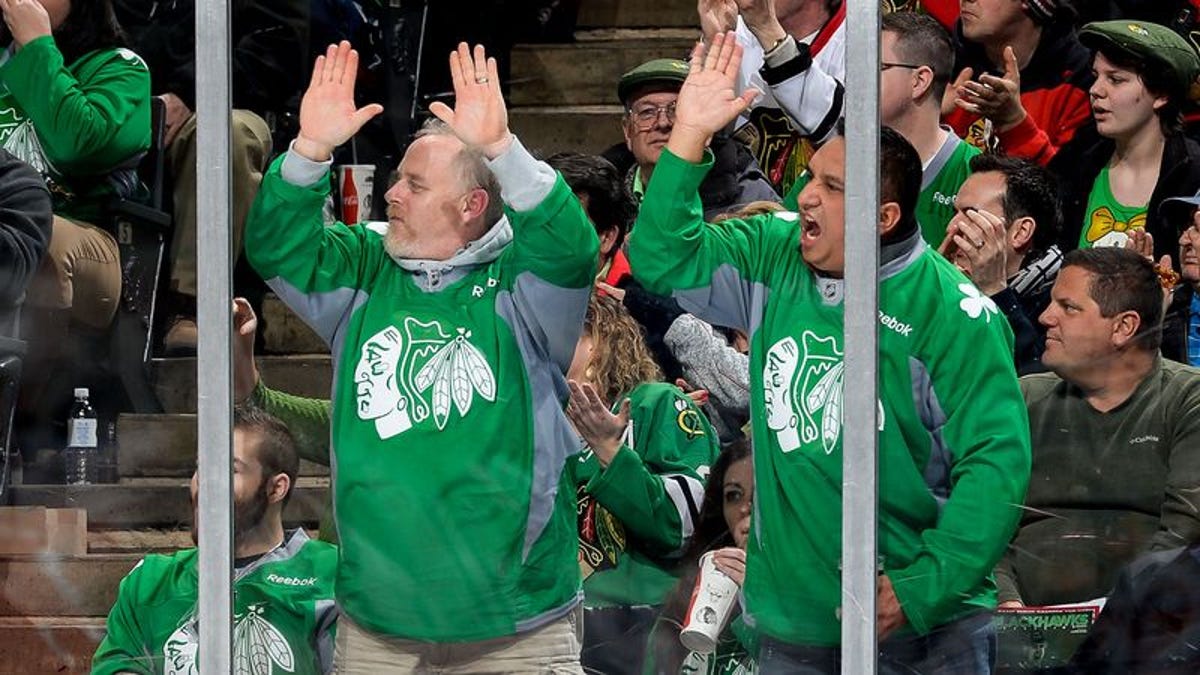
(583, 128)
(156, 503)
(285, 333)
(586, 72)
(78, 586)
(302, 375)
(164, 446)
(49, 645)
(638, 13)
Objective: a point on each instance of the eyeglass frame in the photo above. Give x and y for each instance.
(884, 65)
(668, 109)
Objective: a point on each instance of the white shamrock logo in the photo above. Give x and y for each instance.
(976, 303)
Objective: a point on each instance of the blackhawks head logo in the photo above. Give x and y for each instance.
(601, 536)
(259, 648)
(405, 377)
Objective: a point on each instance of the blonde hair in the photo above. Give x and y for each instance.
(757, 208)
(620, 358)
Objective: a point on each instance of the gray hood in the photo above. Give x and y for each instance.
(431, 275)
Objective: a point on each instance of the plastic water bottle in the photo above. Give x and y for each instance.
(81, 456)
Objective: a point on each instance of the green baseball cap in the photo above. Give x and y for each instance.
(670, 72)
(1150, 42)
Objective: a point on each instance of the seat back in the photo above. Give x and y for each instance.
(142, 231)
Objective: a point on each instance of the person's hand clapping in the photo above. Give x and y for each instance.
(762, 21)
(599, 427)
(716, 16)
(479, 116)
(997, 98)
(27, 20)
(708, 101)
(328, 115)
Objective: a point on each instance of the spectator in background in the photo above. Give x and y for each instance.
(648, 93)
(1181, 325)
(597, 185)
(723, 527)
(75, 106)
(1002, 237)
(952, 442)
(1115, 178)
(795, 57)
(283, 581)
(1116, 436)
(1023, 77)
(647, 450)
(916, 61)
(25, 222)
(269, 43)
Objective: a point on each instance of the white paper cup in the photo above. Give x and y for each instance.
(356, 185)
(712, 603)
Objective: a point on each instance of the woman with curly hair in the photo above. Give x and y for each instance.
(639, 483)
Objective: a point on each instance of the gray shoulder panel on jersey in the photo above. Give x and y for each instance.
(552, 315)
(327, 614)
(326, 313)
(729, 300)
(933, 418)
(943, 155)
(553, 437)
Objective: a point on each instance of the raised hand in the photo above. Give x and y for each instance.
(479, 116)
(708, 101)
(716, 16)
(245, 372)
(328, 116)
(27, 20)
(762, 21)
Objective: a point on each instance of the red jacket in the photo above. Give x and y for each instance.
(1054, 93)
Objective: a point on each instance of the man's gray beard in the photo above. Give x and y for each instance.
(395, 245)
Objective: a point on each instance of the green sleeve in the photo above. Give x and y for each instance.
(309, 420)
(555, 241)
(985, 432)
(287, 241)
(86, 125)
(710, 268)
(655, 488)
(122, 650)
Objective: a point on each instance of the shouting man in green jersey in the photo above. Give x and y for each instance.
(450, 335)
(283, 581)
(953, 438)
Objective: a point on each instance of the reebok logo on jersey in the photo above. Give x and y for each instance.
(291, 581)
(892, 323)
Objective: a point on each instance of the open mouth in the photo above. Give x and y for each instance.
(810, 230)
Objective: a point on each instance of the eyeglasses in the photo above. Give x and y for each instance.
(647, 116)
(884, 65)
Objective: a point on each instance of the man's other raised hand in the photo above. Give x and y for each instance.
(328, 116)
(479, 116)
(708, 100)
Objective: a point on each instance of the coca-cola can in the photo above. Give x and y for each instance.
(356, 185)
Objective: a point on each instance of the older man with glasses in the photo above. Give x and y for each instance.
(648, 93)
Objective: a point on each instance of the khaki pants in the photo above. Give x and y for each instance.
(553, 648)
(251, 147)
(81, 271)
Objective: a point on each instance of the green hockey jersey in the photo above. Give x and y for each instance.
(640, 510)
(75, 122)
(283, 618)
(940, 180)
(454, 515)
(954, 451)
